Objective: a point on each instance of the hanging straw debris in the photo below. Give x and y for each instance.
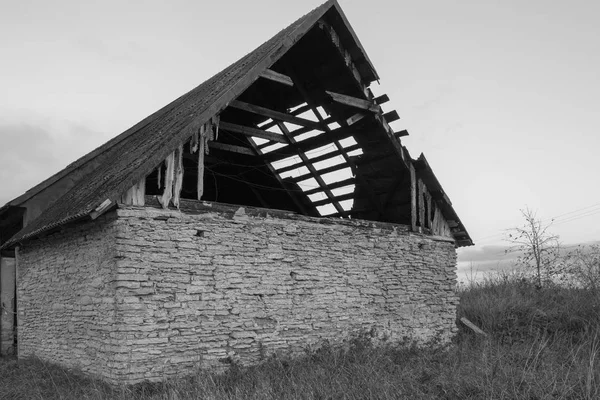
(178, 184)
(169, 177)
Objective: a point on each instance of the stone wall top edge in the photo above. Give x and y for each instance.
(232, 211)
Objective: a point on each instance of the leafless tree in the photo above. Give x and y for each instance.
(538, 249)
(582, 266)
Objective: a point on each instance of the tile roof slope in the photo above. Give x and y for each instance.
(144, 146)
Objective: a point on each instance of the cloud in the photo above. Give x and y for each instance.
(32, 152)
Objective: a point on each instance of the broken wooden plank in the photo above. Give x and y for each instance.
(355, 118)
(253, 132)
(276, 115)
(101, 209)
(473, 327)
(277, 77)
(353, 102)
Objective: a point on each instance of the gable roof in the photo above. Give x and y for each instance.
(139, 150)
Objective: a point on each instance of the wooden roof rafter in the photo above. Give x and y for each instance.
(314, 107)
(314, 173)
(358, 82)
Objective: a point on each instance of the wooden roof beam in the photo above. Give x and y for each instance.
(321, 172)
(277, 77)
(345, 99)
(347, 58)
(311, 143)
(348, 196)
(253, 132)
(232, 148)
(315, 174)
(335, 39)
(326, 156)
(283, 184)
(331, 186)
(276, 115)
(353, 102)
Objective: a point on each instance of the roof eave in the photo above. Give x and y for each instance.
(461, 236)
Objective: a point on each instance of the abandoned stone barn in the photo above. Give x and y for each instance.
(270, 209)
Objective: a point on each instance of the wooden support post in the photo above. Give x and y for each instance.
(7, 304)
(413, 198)
(421, 204)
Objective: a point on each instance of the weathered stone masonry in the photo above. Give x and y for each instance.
(146, 293)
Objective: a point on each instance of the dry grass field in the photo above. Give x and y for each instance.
(542, 344)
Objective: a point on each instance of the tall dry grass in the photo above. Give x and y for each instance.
(542, 344)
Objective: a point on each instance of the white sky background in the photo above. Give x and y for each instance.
(503, 97)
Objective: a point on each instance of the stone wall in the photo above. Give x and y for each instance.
(66, 297)
(205, 287)
(146, 293)
(7, 305)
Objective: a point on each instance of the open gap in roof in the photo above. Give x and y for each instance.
(329, 162)
(272, 147)
(308, 184)
(320, 150)
(347, 204)
(317, 196)
(326, 209)
(337, 176)
(290, 126)
(285, 162)
(259, 141)
(297, 107)
(304, 136)
(309, 115)
(347, 142)
(343, 190)
(357, 152)
(322, 111)
(265, 122)
(295, 172)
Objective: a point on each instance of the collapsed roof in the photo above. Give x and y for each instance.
(295, 127)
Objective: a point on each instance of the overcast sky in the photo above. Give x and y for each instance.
(501, 96)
